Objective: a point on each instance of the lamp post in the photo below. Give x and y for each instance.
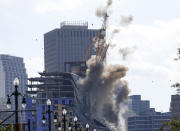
(59, 127)
(49, 112)
(87, 127)
(16, 94)
(43, 120)
(75, 122)
(70, 126)
(48, 102)
(64, 118)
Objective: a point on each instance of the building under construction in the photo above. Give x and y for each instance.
(61, 88)
(66, 51)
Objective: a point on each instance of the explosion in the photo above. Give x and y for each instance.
(103, 85)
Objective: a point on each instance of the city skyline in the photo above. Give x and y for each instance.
(153, 34)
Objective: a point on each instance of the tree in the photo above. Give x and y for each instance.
(173, 125)
(177, 86)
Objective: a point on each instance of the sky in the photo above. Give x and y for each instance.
(153, 38)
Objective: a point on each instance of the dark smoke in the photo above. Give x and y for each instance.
(103, 13)
(109, 113)
(103, 85)
(105, 89)
(126, 20)
(121, 93)
(124, 52)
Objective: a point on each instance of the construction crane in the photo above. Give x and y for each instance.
(100, 46)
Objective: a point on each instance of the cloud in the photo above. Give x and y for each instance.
(152, 61)
(33, 66)
(6, 2)
(44, 6)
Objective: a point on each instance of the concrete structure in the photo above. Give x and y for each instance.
(11, 67)
(139, 106)
(175, 106)
(59, 87)
(62, 90)
(65, 47)
(148, 122)
(145, 118)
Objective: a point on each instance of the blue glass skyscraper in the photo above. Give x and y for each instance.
(11, 67)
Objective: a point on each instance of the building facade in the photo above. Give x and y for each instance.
(62, 90)
(145, 118)
(10, 68)
(148, 122)
(175, 106)
(139, 106)
(59, 87)
(66, 47)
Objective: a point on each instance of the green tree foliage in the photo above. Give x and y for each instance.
(4, 128)
(173, 125)
(177, 86)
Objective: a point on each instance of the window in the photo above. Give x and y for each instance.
(70, 102)
(55, 101)
(63, 102)
(56, 113)
(55, 107)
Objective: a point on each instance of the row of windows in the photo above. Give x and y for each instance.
(67, 33)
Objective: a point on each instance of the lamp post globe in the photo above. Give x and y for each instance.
(44, 120)
(64, 111)
(48, 102)
(16, 82)
(87, 126)
(75, 119)
(8, 104)
(59, 127)
(70, 128)
(24, 102)
(55, 119)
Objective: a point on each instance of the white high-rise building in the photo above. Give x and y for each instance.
(11, 67)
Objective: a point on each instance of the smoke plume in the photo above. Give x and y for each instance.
(124, 52)
(102, 85)
(103, 13)
(125, 20)
(105, 90)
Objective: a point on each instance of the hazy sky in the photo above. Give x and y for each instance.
(153, 38)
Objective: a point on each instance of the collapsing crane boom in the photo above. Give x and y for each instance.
(100, 46)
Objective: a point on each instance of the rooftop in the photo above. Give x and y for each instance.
(74, 24)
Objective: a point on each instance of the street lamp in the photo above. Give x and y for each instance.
(64, 118)
(75, 121)
(24, 102)
(70, 128)
(59, 127)
(16, 82)
(8, 103)
(44, 120)
(16, 94)
(87, 126)
(48, 102)
(55, 119)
